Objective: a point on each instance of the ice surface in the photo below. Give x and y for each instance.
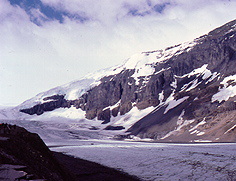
(76, 117)
(12, 113)
(160, 161)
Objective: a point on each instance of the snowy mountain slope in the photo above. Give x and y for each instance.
(182, 93)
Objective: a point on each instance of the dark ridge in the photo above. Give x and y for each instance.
(121, 91)
(114, 128)
(20, 147)
(54, 102)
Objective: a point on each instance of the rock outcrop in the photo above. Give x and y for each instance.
(20, 147)
(51, 103)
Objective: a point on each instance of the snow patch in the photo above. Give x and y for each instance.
(202, 141)
(68, 118)
(144, 63)
(226, 91)
(112, 107)
(231, 36)
(203, 72)
(136, 138)
(199, 124)
(69, 113)
(180, 124)
(174, 83)
(199, 71)
(180, 118)
(191, 85)
(162, 70)
(195, 131)
(178, 128)
(200, 133)
(173, 103)
(161, 96)
(130, 118)
(214, 75)
(230, 129)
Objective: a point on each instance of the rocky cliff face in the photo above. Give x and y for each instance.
(182, 93)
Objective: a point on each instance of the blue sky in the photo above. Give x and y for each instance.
(58, 13)
(49, 13)
(46, 43)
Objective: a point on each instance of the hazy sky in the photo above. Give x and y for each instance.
(46, 43)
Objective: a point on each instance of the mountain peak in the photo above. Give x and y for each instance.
(229, 27)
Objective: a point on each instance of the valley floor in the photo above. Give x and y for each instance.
(158, 161)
